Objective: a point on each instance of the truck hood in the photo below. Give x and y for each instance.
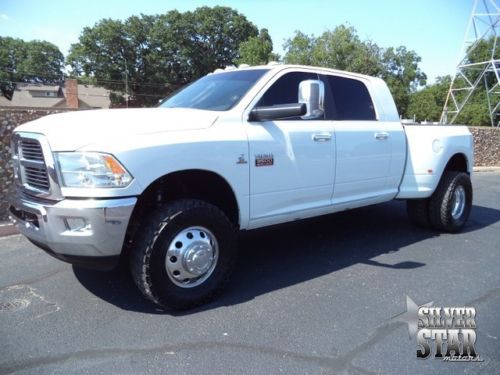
(72, 130)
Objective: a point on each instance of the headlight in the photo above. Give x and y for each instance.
(91, 170)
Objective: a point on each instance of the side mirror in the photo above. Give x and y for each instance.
(312, 94)
(277, 112)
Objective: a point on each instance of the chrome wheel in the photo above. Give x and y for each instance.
(458, 202)
(191, 257)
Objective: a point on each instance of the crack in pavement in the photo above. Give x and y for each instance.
(35, 279)
(29, 294)
(324, 362)
(485, 297)
(341, 364)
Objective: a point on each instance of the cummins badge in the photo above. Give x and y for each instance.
(264, 160)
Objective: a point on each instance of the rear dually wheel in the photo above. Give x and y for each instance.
(451, 203)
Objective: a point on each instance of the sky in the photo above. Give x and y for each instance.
(434, 29)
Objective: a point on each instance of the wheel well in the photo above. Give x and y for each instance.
(189, 184)
(457, 163)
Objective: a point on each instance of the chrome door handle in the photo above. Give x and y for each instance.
(381, 136)
(322, 137)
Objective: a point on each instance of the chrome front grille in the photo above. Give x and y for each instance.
(33, 162)
(33, 172)
(37, 177)
(31, 149)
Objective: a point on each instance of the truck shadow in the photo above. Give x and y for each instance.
(281, 256)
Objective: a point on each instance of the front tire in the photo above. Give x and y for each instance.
(183, 254)
(450, 205)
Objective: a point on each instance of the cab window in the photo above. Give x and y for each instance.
(286, 89)
(347, 99)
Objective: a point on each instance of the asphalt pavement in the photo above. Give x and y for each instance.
(326, 295)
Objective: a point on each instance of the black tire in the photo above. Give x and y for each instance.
(149, 253)
(441, 203)
(418, 212)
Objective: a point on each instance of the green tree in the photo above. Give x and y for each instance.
(217, 34)
(427, 104)
(402, 75)
(35, 61)
(257, 50)
(299, 49)
(10, 57)
(158, 54)
(480, 52)
(475, 112)
(341, 48)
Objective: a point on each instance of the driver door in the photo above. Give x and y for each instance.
(291, 161)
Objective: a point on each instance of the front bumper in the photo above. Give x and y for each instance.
(81, 231)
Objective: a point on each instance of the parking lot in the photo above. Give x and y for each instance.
(318, 296)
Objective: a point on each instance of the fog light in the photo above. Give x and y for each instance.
(77, 224)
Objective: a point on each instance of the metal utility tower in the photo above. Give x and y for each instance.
(483, 27)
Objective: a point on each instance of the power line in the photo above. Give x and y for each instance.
(61, 78)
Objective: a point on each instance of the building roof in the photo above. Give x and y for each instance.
(23, 98)
(93, 97)
(88, 97)
(32, 87)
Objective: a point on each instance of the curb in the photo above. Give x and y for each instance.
(7, 229)
(486, 169)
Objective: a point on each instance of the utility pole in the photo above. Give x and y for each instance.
(126, 83)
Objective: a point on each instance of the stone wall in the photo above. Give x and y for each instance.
(9, 119)
(486, 146)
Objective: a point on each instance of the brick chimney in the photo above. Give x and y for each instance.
(71, 93)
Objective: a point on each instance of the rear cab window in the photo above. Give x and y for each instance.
(347, 99)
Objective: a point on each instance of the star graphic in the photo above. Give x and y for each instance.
(411, 315)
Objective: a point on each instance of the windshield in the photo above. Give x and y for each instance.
(216, 92)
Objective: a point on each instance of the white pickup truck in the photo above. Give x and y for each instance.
(170, 187)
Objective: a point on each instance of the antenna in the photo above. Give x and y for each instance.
(482, 30)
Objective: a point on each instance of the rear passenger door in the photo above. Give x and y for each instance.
(362, 144)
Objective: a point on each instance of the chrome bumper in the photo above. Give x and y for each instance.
(73, 228)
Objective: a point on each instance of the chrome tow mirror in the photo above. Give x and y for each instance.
(312, 94)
